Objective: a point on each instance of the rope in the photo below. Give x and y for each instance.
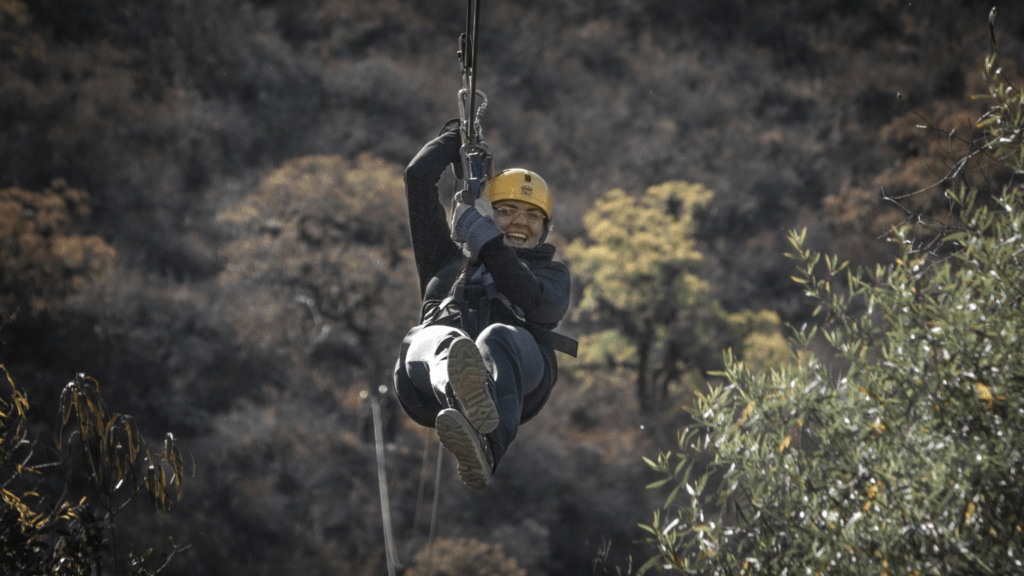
(385, 507)
(433, 510)
(419, 494)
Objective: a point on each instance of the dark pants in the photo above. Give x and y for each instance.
(513, 361)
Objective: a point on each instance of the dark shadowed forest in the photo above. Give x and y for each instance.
(202, 208)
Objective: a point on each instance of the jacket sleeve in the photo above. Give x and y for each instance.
(428, 225)
(542, 292)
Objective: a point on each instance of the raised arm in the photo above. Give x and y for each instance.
(431, 237)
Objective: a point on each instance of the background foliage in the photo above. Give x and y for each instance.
(43, 259)
(638, 267)
(240, 163)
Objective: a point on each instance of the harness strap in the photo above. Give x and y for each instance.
(493, 294)
(559, 342)
(563, 343)
(481, 317)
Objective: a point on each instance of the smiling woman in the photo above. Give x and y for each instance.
(482, 360)
(522, 206)
(522, 224)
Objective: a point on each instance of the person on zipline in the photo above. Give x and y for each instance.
(481, 361)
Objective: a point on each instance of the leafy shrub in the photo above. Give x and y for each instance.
(169, 349)
(47, 532)
(14, 35)
(906, 457)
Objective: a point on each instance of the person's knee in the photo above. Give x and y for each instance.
(431, 336)
(428, 342)
(498, 333)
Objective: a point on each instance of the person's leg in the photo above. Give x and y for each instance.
(471, 449)
(443, 361)
(516, 366)
(469, 383)
(426, 361)
(412, 376)
(440, 356)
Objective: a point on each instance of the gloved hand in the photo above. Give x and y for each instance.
(473, 229)
(452, 127)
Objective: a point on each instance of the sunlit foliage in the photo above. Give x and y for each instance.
(463, 557)
(642, 251)
(42, 259)
(639, 268)
(905, 458)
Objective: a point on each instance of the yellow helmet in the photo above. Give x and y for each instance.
(522, 185)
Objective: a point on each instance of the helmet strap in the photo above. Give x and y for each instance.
(548, 226)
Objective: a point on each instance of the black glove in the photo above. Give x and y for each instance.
(473, 229)
(452, 127)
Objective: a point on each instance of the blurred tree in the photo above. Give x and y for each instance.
(49, 531)
(322, 255)
(41, 259)
(638, 265)
(905, 459)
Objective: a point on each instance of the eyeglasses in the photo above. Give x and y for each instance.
(510, 213)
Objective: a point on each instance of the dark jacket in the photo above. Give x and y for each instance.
(535, 287)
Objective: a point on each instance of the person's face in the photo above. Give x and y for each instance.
(522, 223)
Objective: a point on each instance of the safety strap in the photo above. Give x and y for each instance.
(382, 482)
(492, 293)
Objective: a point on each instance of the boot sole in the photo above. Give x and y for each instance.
(459, 438)
(468, 377)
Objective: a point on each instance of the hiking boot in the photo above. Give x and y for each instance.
(470, 448)
(468, 379)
